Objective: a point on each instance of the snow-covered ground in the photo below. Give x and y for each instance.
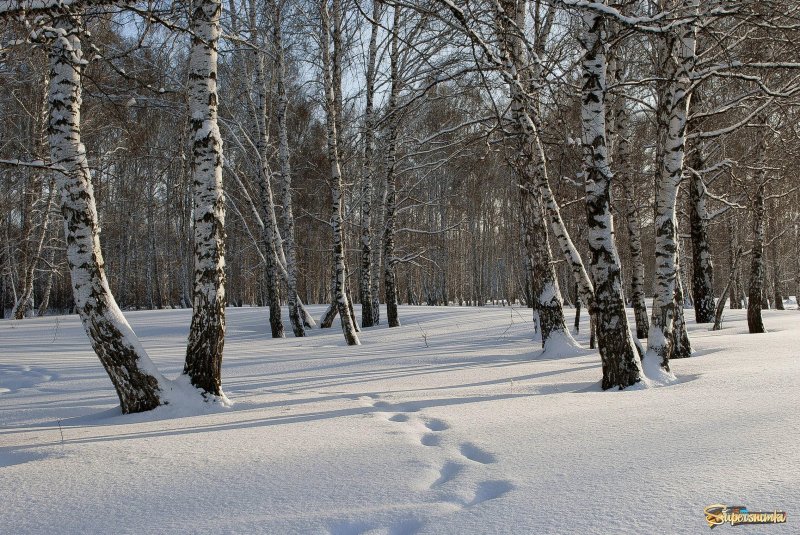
(453, 423)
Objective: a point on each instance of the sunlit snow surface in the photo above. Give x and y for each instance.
(476, 433)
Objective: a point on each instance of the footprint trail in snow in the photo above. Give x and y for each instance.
(461, 474)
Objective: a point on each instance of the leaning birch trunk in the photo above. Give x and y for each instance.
(305, 315)
(724, 296)
(529, 126)
(680, 56)
(546, 294)
(207, 332)
(135, 378)
(390, 183)
(339, 291)
(296, 310)
(621, 365)
(365, 280)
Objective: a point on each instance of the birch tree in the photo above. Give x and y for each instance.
(621, 366)
(296, 311)
(390, 182)
(369, 316)
(138, 383)
(678, 58)
(546, 295)
(270, 231)
(207, 332)
(331, 88)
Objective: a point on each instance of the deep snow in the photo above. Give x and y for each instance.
(476, 433)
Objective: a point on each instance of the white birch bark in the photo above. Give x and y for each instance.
(339, 290)
(136, 380)
(295, 306)
(368, 139)
(25, 301)
(546, 294)
(270, 233)
(390, 182)
(207, 331)
(675, 106)
(621, 364)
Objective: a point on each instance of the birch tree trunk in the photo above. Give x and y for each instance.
(270, 233)
(136, 380)
(755, 295)
(619, 138)
(296, 310)
(368, 318)
(390, 183)
(702, 267)
(679, 60)
(377, 255)
(621, 365)
(31, 243)
(681, 346)
(44, 302)
(545, 292)
(25, 300)
(207, 332)
(635, 248)
(328, 66)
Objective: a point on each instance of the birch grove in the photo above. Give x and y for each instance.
(634, 160)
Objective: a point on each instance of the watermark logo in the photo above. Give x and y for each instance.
(718, 514)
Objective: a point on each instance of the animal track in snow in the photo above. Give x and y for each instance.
(474, 453)
(454, 481)
(447, 473)
(490, 490)
(435, 424)
(431, 439)
(15, 377)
